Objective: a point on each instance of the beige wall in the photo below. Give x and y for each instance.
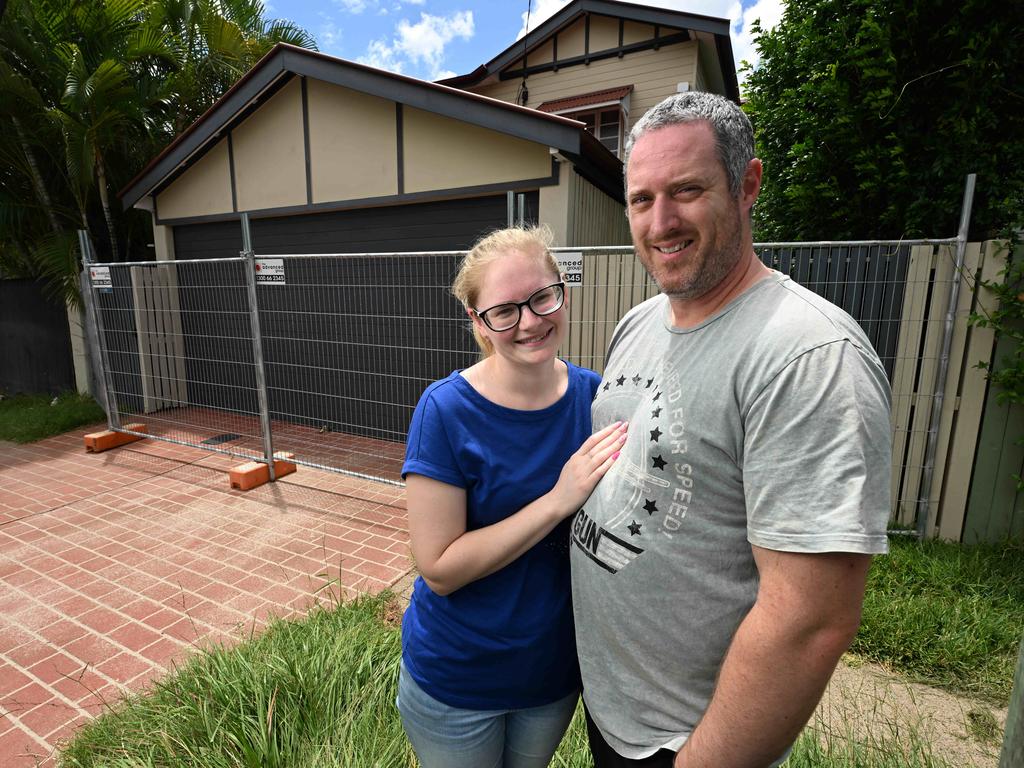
(654, 75)
(270, 156)
(203, 189)
(593, 217)
(604, 33)
(441, 153)
(353, 144)
(635, 32)
(571, 41)
(542, 54)
(554, 204)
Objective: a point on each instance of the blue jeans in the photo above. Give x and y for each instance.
(449, 737)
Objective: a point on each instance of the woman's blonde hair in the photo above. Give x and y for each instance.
(534, 241)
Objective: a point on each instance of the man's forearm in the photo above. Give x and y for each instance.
(770, 682)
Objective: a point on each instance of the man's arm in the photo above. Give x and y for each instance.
(781, 658)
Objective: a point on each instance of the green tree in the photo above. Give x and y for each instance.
(216, 42)
(90, 91)
(868, 115)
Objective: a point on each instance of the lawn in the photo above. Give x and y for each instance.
(319, 692)
(26, 418)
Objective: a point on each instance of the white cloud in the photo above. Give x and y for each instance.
(422, 43)
(353, 6)
(328, 35)
(768, 11)
(382, 56)
(381, 8)
(741, 18)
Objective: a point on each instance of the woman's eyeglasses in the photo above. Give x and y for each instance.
(504, 317)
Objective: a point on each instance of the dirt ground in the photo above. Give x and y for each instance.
(881, 707)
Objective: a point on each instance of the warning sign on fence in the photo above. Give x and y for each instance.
(270, 271)
(100, 277)
(571, 264)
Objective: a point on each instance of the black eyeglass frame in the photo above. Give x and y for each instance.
(519, 307)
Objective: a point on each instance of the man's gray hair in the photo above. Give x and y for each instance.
(734, 136)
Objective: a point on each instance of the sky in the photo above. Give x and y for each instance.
(434, 39)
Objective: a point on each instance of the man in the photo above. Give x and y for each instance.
(719, 568)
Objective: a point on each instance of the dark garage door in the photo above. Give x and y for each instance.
(350, 342)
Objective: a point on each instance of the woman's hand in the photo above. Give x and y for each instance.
(585, 467)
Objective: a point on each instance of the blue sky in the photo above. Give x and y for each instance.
(432, 39)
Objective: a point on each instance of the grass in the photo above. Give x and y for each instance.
(947, 615)
(26, 418)
(315, 693)
(319, 693)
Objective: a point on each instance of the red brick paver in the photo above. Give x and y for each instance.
(115, 566)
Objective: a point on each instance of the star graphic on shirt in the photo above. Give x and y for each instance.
(634, 529)
(650, 507)
(606, 385)
(655, 434)
(636, 379)
(657, 396)
(659, 463)
(649, 382)
(620, 381)
(656, 412)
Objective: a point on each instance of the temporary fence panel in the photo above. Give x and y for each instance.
(159, 334)
(603, 285)
(178, 343)
(350, 341)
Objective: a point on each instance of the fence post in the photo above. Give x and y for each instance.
(510, 207)
(109, 397)
(943, 371)
(1013, 738)
(257, 344)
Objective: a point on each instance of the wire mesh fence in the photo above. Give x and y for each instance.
(342, 345)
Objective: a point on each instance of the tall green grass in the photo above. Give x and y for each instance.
(319, 693)
(316, 693)
(26, 418)
(946, 615)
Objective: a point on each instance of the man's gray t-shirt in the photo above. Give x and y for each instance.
(768, 424)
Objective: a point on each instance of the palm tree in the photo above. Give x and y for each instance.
(89, 91)
(216, 42)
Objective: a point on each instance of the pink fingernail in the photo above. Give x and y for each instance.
(616, 454)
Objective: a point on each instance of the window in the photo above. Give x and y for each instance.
(605, 124)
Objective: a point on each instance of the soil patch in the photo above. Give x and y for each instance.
(877, 706)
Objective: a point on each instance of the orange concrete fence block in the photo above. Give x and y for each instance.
(255, 473)
(97, 442)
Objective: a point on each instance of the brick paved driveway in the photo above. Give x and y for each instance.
(115, 565)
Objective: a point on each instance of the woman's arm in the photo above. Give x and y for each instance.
(449, 557)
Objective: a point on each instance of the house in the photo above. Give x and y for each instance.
(333, 156)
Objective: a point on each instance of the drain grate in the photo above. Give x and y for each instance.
(227, 437)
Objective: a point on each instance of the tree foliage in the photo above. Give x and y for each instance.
(869, 114)
(90, 90)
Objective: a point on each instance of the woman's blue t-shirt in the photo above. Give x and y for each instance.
(506, 640)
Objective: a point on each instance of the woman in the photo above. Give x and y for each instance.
(489, 677)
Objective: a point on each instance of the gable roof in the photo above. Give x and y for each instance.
(719, 28)
(284, 62)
